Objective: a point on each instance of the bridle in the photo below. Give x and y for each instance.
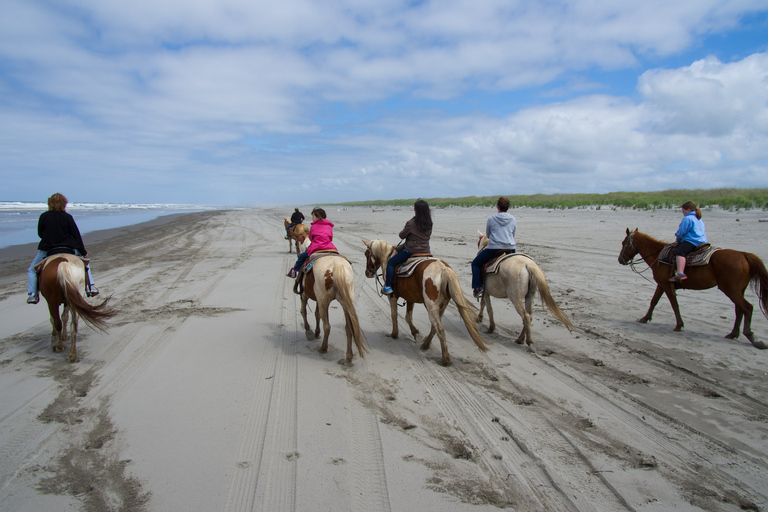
(625, 260)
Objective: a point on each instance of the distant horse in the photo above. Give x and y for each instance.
(294, 233)
(434, 284)
(518, 278)
(731, 271)
(331, 278)
(62, 279)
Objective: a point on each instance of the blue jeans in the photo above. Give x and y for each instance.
(32, 276)
(482, 258)
(300, 260)
(394, 261)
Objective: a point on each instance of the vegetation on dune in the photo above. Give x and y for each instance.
(726, 198)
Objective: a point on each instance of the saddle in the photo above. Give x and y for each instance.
(698, 257)
(493, 266)
(407, 268)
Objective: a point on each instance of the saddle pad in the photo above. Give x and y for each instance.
(697, 257)
(316, 256)
(493, 266)
(407, 268)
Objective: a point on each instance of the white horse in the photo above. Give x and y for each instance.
(330, 278)
(432, 283)
(518, 278)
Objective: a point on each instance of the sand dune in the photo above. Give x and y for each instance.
(206, 395)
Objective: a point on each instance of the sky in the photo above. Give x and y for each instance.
(248, 102)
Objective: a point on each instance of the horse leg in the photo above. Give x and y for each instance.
(393, 307)
(73, 342)
(654, 301)
(322, 312)
(435, 318)
(57, 341)
(307, 330)
(672, 296)
(317, 320)
(350, 336)
(743, 309)
(409, 318)
(486, 300)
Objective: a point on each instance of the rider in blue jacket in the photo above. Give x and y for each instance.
(689, 235)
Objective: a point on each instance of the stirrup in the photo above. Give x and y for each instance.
(679, 276)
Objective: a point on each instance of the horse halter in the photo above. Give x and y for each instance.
(624, 259)
(371, 264)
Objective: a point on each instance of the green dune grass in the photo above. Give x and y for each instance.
(726, 198)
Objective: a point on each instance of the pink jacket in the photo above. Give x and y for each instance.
(321, 236)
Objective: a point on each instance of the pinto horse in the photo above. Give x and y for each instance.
(434, 284)
(730, 270)
(295, 233)
(62, 279)
(518, 278)
(331, 278)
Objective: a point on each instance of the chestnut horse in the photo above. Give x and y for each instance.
(62, 279)
(518, 278)
(731, 271)
(295, 233)
(331, 278)
(433, 283)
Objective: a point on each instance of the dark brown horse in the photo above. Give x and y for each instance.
(62, 280)
(295, 235)
(433, 284)
(731, 271)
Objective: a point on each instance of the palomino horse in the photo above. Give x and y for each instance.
(295, 233)
(62, 280)
(331, 278)
(518, 278)
(433, 283)
(731, 271)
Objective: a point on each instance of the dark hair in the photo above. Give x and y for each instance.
(319, 213)
(423, 215)
(502, 204)
(690, 205)
(57, 202)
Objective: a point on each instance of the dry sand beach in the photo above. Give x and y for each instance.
(205, 394)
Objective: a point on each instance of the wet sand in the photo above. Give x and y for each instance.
(206, 395)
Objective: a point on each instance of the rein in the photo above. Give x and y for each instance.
(631, 262)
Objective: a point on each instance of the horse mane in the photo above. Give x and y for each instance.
(651, 238)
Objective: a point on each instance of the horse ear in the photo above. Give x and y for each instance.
(367, 244)
(480, 232)
(627, 230)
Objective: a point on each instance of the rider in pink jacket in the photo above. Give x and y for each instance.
(321, 236)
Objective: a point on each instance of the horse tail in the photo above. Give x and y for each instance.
(759, 278)
(539, 280)
(345, 298)
(71, 284)
(466, 310)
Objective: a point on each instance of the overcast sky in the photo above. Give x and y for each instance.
(246, 102)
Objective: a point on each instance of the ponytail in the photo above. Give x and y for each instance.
(690, 205)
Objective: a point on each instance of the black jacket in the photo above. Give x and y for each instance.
(58, 229)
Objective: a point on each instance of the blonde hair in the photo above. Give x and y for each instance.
(691, 206)
(57, 203)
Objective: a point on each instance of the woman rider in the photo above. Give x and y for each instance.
(416, 234)
(57, 228)
(321, 236)
(690, 234)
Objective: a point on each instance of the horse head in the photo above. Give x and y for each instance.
(482, 242)
(377, 252)
(628, 250)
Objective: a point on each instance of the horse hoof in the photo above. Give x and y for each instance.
(445, 363)
(310, 335)
(732, 336)
(643, 320)
(677, 329)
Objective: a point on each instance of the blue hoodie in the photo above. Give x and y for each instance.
(500, 230)
(691, 230)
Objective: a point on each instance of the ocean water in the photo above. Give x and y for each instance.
(18, 220)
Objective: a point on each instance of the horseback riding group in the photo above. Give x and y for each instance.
(411, 273)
